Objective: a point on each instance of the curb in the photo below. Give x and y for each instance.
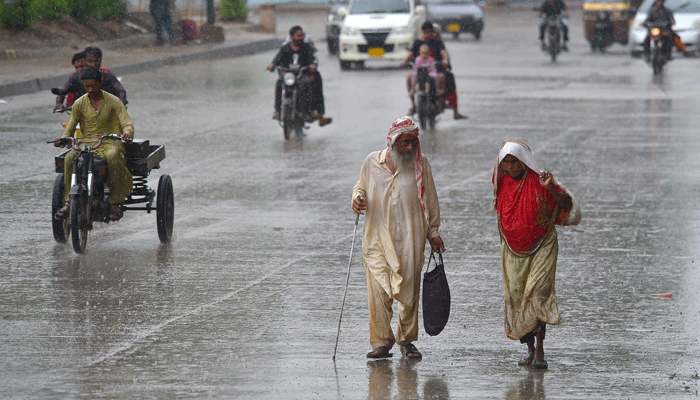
(235, 50)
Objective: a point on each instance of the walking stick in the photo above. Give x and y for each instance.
(347, 282)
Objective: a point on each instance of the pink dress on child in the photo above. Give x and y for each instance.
(421, 62)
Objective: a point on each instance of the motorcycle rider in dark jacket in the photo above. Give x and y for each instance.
(554, 8)
(297, 54)
(660, 14)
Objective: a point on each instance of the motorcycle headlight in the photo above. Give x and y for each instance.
(350, 31)
(656, 31)
(400, 30)
(289, 79)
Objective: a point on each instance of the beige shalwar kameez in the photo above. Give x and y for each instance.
(395, 231)
(110, 118)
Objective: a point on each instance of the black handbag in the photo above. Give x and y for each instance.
(436, 297)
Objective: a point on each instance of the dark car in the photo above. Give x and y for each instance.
(333, 24)
(456, 16)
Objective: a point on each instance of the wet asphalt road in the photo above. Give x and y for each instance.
(244, 303)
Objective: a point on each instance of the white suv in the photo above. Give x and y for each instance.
(379, 29)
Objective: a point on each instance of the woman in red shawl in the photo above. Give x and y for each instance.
(529, 203)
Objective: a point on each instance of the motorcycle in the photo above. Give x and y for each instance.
(660, 43)
(602, 32)
(426, 98)
(553, 46)
(293, 115)
(88, 192)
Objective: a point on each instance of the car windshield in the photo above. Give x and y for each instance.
(677, 6)
(459, 2)
(380, 7)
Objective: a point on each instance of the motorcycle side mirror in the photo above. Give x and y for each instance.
(58, 91)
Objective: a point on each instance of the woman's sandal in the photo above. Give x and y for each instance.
(380, 352)
(63, 212)
(526, 360)
(410, 351)
(539, 363)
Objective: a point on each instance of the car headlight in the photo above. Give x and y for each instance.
(349, 31)
(400, 30)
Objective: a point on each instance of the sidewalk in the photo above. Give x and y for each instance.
(51, 67)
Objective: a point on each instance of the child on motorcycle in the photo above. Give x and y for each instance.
(424, 60)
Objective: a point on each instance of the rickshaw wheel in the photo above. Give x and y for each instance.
(165, 208)
(61, 227)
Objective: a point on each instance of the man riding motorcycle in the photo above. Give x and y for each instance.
(100, 113)
(439, 53)
(554, 8)
(660, 14)
(296, 54)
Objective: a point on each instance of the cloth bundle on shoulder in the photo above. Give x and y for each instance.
(436, 297)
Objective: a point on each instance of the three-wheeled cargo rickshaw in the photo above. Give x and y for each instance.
(89, 191)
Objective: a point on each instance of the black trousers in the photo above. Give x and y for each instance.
(564, 30)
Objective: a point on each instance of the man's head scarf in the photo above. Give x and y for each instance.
(406, 126)
(518, 149)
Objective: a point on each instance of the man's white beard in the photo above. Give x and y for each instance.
(403, 161)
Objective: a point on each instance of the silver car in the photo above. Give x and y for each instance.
(687, 16)
(456, 16)
(334, 23)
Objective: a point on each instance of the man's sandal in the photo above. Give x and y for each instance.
(410, 351)
(115, 212)
(380, 352)
(63, 212)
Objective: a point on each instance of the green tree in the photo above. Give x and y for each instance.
(233, 10)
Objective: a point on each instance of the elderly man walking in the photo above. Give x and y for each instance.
(529, 204)
(397, 192)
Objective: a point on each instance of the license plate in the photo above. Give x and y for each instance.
(376, 51)
(453, 28)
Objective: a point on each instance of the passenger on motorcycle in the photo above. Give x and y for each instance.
(100, 113)
(110, 84)
(439, 53)
(296, 54)
(78, 62)
(425, 60)
(660, 14)
(554, 8)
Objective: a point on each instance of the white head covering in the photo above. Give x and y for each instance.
(406, 126)
(518, 149)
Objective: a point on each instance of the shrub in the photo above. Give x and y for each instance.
(102, 10)
(233, 10)
(20, 14)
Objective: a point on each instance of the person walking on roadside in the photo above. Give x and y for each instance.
(397, 192)
(160, 11)
(529, 203)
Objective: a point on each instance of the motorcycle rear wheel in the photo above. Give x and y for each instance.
(61, 227)
(79, 222)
